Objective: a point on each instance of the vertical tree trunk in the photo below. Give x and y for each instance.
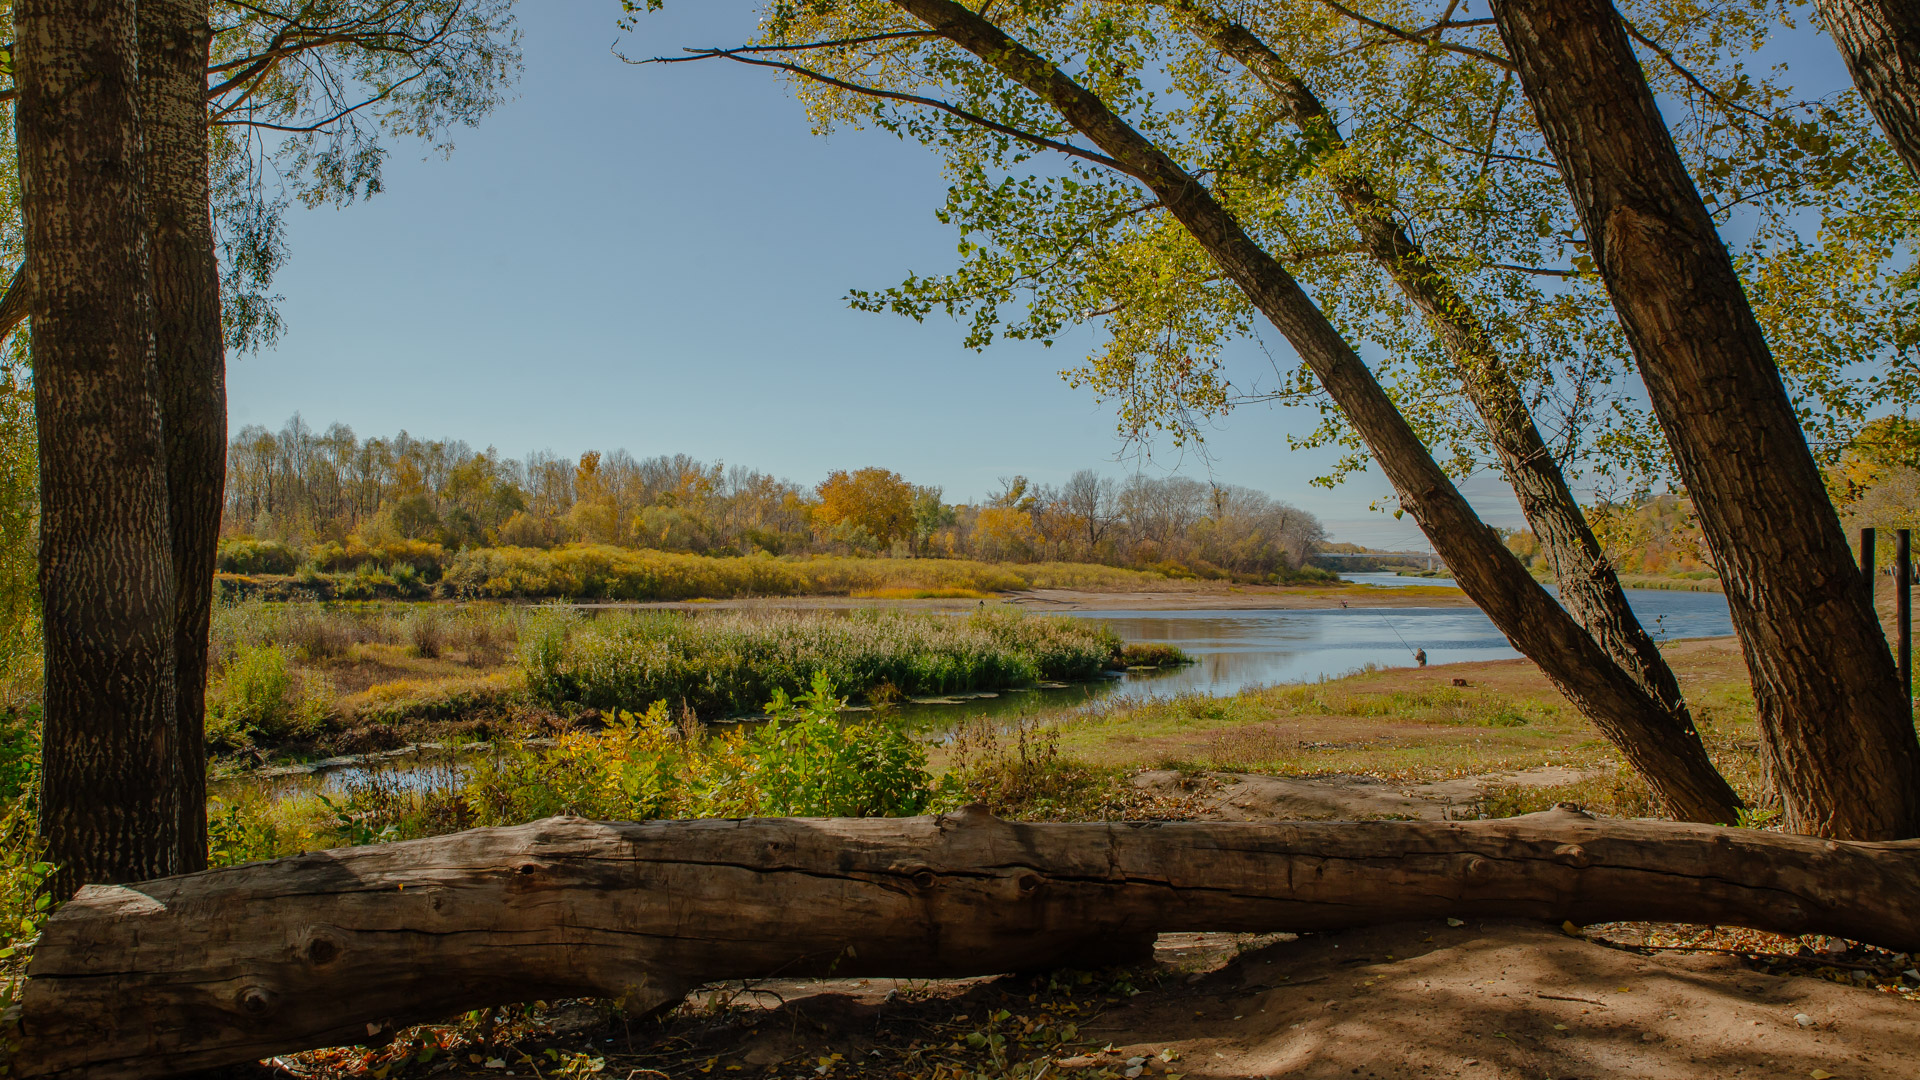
(1822, 676)
(174, 39)
(1674, 761)
(1880, 41)
(110, 804)
(1588, 585)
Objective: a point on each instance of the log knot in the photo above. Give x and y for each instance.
(1573, 855)
(257, 1001)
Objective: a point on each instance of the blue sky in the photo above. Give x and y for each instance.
(656, 258)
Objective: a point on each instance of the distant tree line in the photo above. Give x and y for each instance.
(330, 490)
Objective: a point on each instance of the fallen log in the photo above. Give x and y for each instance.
(345, 946)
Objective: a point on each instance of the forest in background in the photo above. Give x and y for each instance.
(319, 502)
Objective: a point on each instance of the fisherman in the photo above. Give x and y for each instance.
(1420, 657)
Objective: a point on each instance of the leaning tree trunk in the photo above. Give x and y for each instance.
(1830, 704)
(1672, 759)
(174, 39)
(1880, 41)
(109, 802)
(347, 946)
(1589, 587)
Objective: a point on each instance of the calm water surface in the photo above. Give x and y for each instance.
(1236, 649)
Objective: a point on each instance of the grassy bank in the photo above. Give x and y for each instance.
(353, 677)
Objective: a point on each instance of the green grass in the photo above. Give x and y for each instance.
(730, 663)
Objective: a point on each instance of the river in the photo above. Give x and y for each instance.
(1239, 648)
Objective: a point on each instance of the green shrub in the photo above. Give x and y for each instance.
(259, 695)
(802, 762)
(805, 763)
(245, 555)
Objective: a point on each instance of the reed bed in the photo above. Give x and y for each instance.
(725, 664)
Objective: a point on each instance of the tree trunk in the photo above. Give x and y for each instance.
(1673, 760)
(1823, 679)
(1589, 588)
(344, 946)
(189, 347)
(1881, 44)
(109, 805)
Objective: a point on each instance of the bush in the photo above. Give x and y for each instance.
(258, 695)
(642, 767)
(246, 555)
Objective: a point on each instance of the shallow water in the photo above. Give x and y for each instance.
(1240, 648)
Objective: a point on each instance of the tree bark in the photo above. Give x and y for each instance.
(109, 805)
(343, 946)
(1880, 42)
(1673, 760)
(1830, 704)
(189, 346)
(1589, 587)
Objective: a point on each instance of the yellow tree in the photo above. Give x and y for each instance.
(872, 498)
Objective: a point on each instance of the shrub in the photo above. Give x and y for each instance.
(245, 555)
(803, 761)
(1149, 654)
(258, 694)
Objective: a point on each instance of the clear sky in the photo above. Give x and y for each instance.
(657, 258)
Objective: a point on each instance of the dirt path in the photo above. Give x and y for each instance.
(1223, 796)
(1481, 1000)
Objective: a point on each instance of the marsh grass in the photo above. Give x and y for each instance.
(729, 663)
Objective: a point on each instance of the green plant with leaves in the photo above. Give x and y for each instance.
(806, 763)
(260, 694)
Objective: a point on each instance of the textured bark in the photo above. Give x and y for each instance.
(190, 352)
(1672, 759)
(1822, 676)
(17, 305)
(342, 946)
(1880, 41)
(1589, 587)
(109, 806)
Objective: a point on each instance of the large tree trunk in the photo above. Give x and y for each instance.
(1671, 758)
(109, 805)
(344, 946)
(1880, 41)
(174, 39)
(1830, 704)
(1589, 587)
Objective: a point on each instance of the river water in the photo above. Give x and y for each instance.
(1239, 648)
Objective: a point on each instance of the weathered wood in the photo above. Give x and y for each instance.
(224, 966)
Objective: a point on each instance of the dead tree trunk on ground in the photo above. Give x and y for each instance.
(333, 947)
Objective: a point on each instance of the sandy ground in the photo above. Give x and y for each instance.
(1249, 797)
(1485, 1000)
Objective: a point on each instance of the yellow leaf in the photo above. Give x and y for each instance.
(1821, 1074)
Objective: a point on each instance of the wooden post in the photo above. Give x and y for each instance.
(1903, 606)
(1866, 565)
